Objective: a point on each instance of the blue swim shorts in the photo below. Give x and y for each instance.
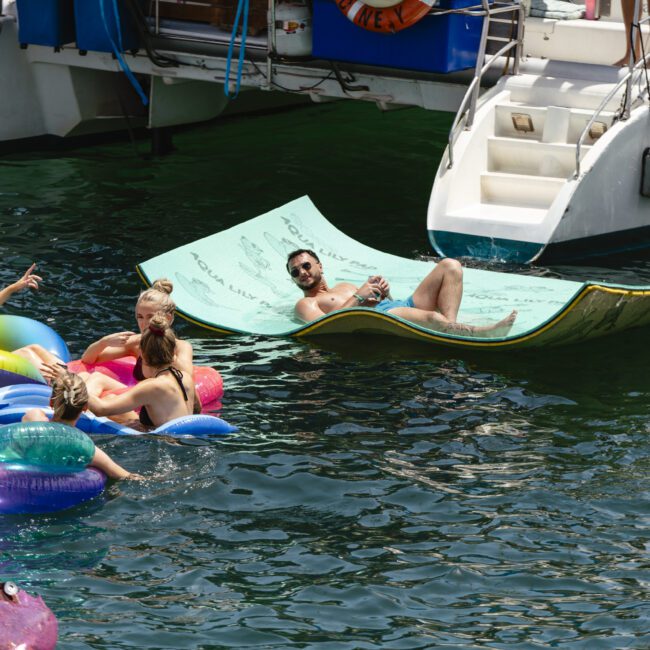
(387, 304)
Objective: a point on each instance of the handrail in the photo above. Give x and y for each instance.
(627, 80)
(467, 107)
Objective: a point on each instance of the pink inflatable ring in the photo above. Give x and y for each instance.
(208, 381)
(25, 621)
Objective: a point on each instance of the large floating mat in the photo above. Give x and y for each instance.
(235, 281)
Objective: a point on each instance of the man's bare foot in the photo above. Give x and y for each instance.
(497, 330)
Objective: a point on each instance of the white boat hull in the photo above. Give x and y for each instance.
(514, 196)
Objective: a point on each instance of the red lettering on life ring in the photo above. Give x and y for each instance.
(386, 20)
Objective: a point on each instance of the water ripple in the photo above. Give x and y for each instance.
(377, 496)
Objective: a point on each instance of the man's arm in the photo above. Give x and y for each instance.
(307, 310)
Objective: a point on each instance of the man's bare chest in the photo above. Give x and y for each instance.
(335, 297)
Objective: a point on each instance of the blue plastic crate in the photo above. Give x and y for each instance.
(437, 43)
(46, 22)
(94, 35)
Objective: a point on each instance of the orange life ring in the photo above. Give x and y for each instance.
(387, 19)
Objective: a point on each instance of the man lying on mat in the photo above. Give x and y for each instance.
(434, 304)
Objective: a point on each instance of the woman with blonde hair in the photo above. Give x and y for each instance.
(155, 300)
(167, 394)
(69, 400)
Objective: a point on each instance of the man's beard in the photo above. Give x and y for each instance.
(310, 284)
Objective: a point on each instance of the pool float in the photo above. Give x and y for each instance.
(15, 400)
(208, 381)
(17, 332)
(53, 446)
(216, 294)
(43, 468)
(25, 621)
(15, 369)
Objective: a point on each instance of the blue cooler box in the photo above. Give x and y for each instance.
(437, 43)
(45, 22)
(93, 33)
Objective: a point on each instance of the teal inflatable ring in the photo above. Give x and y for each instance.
(50, 446)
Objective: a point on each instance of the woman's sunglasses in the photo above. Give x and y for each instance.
(295, 271)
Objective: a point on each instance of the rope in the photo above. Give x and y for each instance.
(118, 51)
(241, 5)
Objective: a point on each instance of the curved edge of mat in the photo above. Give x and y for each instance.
(363, 319)
(389, 324)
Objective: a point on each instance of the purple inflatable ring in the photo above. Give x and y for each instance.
(26, 490)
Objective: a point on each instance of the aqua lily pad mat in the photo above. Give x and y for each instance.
(235, 281)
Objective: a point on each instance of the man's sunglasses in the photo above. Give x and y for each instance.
(295, 271)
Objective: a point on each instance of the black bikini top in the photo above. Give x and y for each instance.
(177, 375)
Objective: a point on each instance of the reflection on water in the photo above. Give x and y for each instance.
(46, 547)
(380, 494)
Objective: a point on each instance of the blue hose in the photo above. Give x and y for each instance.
(117, 50)
(242, 5)
(116, 16)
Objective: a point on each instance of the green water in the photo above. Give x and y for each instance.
(379, 494)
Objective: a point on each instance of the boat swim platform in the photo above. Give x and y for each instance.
(236, 282)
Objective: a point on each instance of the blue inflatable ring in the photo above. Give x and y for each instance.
(15, 400)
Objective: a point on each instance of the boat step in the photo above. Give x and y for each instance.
(516, 156)
(572, 93)
(582, 41)
(519, 189)
(507, 113)
(497, 213)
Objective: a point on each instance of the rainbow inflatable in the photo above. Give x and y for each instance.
(18, 332)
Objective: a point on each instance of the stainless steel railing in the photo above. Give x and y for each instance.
(467, 110)
(628, 80)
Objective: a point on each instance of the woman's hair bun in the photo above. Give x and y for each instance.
(158, 342)
(158, 323)
(69, 396)
(164, 285)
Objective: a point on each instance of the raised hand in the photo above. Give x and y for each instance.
(29, 279)
(370, 293)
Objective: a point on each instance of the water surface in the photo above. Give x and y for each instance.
(380, 494)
